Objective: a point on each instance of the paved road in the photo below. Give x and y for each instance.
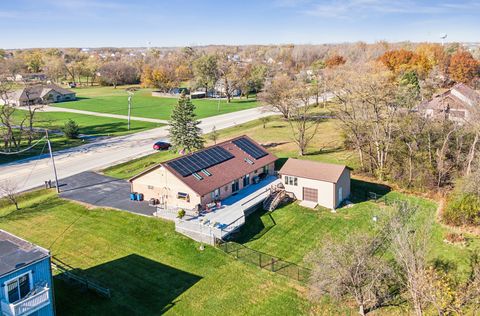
(31, 173)
(117, 116)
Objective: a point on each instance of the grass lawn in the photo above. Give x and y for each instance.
(89, 125)
(131, 168)
(292, 232)
(149, 268)
(109, 100)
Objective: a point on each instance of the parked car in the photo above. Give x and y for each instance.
(161, 146)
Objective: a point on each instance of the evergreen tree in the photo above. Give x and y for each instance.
(71, 129)
(184, 131)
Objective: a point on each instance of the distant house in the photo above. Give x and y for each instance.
(456, 104)
(25, 278)
(327, 185)
(206, 176)
(30, 77)
(41, 94)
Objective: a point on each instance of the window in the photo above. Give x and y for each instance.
(291, 180)
(183, 196)
(18, 288)
(246, 180)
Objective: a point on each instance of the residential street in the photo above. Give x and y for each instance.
(33, 172)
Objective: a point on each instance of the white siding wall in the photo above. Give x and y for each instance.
(326, 190)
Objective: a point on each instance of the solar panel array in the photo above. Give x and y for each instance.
(250, 148)
(200, 160)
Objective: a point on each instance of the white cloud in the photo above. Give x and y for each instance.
(353, 9)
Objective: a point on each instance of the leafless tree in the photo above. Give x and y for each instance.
(410, 246)
(303, 123)
(9, 190)
(279, 96)
(352, 269)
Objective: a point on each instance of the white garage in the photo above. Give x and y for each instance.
(327, 185)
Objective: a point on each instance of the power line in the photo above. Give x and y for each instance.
(23, 150)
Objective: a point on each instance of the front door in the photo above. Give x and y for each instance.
(310, 194)
(246, 180)
(235, 186)
(340, 195)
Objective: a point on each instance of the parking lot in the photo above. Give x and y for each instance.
(102, 191)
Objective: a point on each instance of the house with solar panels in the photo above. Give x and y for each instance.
(201, 180)
(25, 278)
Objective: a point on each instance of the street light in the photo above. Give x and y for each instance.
(131, 92)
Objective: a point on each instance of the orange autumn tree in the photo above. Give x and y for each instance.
(397, 61)
(463, 67)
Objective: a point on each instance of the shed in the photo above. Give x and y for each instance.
(325, 184)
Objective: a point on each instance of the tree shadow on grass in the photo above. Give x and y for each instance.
(138, 285)
(362, 191)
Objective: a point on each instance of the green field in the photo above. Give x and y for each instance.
(114, 101)
(89, 125)
(149, 268)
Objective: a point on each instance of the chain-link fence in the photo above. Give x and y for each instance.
(266, 261)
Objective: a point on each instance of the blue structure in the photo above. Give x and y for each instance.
(25, 278)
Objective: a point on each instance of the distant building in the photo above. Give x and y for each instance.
(327, 185)
(456, 104)
(41, 94)
(25, 278)
(30, 77)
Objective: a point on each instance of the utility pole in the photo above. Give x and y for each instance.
(53, 162)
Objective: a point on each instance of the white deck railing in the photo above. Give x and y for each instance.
(39, 298)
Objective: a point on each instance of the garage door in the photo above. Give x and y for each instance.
(310, 194)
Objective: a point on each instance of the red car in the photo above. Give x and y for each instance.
(161, 146)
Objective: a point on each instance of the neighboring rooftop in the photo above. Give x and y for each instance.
(16, 253)
(459, 96)
(312, 170)
(223, 163)
(38, 91)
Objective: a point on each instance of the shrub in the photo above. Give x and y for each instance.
(71, 129)
(463, 209)
(181, 213)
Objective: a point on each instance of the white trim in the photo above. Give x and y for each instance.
(30, 279)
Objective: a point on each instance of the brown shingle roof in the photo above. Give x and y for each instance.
(38, 91)
(312, 170)
(223, 173)
(460, 96)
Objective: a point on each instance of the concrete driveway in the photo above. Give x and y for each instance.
(99, 190)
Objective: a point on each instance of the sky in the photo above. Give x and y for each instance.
(161, 23)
